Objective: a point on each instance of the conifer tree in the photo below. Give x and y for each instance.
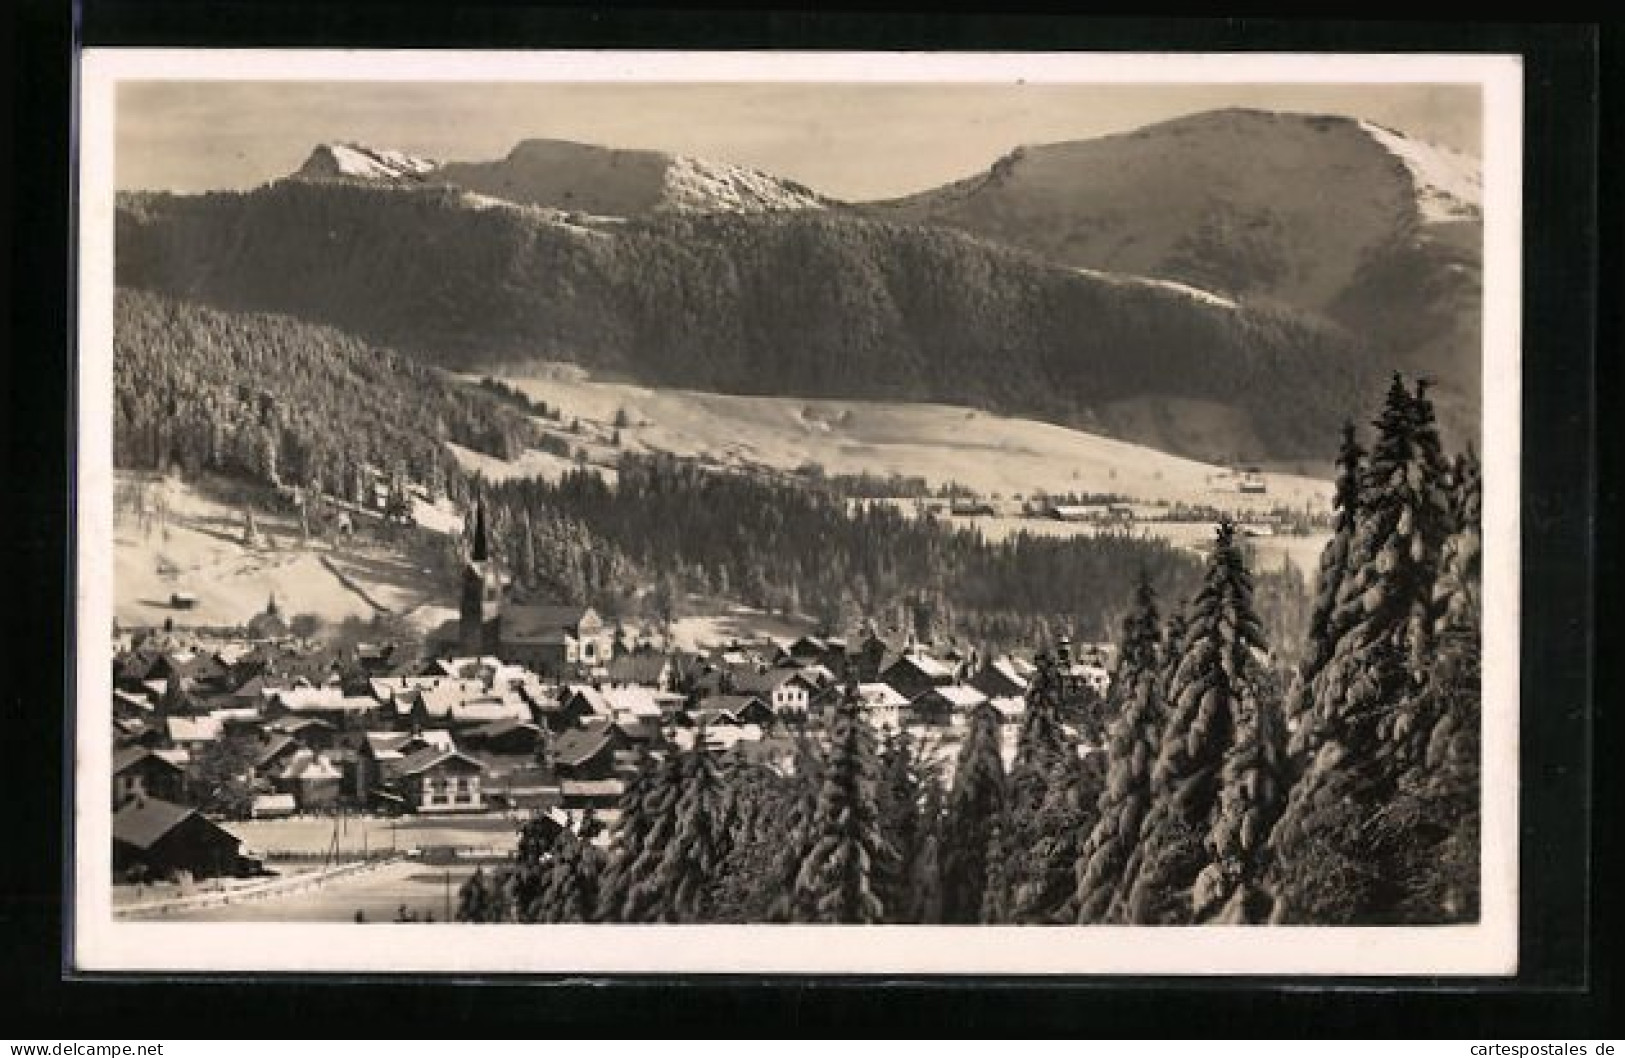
(1133, 743)
(924, 900)
(1050, 807)
(837, 878)
(568, 890)
(898, 804)
(760, 800)
(640, 803)
(1320, 640)
(1211, 695)
(478, 900)
(974, 803)
(1333, 864)
(797, 835)
(996, 890)
(1435, 812)
(676, 871)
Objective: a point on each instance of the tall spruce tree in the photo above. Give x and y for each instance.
(1333, 864)
(1321, 638)
(925, 897)
(687, 845)
(1050, 806)
(836, 883)
(974, 803)
(1211, 696)
(898, 804)
(796, 839)
(761, 802)
(568, 889)
(1435, 813)
(1133, 743)
(646, 799)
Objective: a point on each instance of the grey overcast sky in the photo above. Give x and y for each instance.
(853, 141)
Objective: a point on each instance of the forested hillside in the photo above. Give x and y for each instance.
(281, 402)
(287, 402)
(798, 548)
(806, 304)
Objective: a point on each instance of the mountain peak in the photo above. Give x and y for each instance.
(357, 161)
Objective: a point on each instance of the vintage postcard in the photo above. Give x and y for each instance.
(912, 514)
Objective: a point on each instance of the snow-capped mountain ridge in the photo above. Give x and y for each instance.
(356, 161)
(1449, 184)
(576, 178)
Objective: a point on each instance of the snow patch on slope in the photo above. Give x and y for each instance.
(1206, 297)
(1449, 184)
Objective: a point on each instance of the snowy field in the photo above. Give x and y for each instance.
(941, 443)
(199, 549)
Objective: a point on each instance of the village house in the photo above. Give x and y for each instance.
(309, 731)
(915, 673)
(313, 780)
(866, 663)
(273, 752)
(732, 710)
(634, 705)
(788, 692)
(883, 706)
(577, 704)
(139, 772)
(1012, 709)
(192, 732)
(945, 705)
(591, 763)
(646, 670)
(434, 780)
(510, 738)
(1001, 677)
(157, 839)
(588, 752)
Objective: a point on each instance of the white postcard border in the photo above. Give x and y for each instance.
(98, 942)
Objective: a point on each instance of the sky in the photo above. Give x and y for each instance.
(852, 141)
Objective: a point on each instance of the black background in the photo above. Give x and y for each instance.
(1567, 987)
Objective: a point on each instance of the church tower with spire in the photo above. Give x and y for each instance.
(480, 613)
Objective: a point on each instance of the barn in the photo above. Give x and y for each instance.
(164, 838)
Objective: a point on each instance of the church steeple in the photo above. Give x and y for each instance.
(480, 615)
(480, 550)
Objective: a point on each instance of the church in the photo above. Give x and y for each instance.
(559, 640)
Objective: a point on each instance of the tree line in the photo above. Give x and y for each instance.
(1346, 794)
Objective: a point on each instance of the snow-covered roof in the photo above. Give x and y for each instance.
(960, 696)
(881, 694)
(632, 700)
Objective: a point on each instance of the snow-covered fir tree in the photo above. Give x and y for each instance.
(1211, 697)
(1321, 637)
(1133, 743)
(1336, 862)
(1050, 806)
(836, 883)
(898, 803)
(974, 803)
